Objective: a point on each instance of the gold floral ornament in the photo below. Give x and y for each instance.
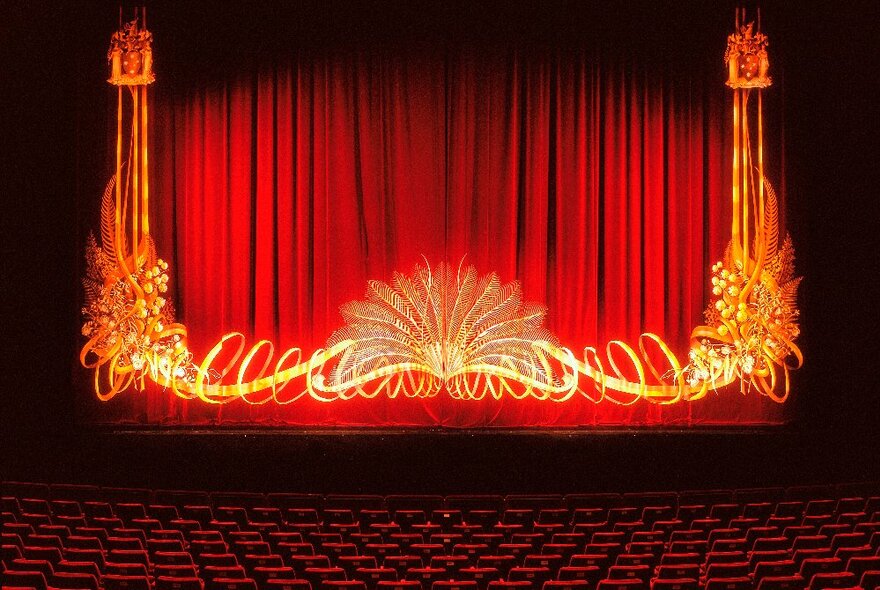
(444, 328)
(129, 322)
(131, 55)
(752, 322)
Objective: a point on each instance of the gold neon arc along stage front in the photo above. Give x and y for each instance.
(444, 328)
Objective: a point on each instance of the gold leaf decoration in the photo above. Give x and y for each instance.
(108, 220)
(149, 258)
(771, 220)
(785, 265)
(788, 292)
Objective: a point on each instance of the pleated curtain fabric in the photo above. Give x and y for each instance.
(601, 184)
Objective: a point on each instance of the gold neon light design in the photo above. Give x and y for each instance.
(444, 328)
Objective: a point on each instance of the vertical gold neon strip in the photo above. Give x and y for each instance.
(760, 156)
(135, 186)
(737, 242)
(744, 126)
(145, 194)
(118, 229)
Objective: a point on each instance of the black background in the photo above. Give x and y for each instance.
(54, 115)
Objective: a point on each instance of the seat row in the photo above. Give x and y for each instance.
(427, 502)
(89, 538)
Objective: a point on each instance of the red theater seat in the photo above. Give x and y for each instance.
(681, 559)
(566, 585)
(78, 567)
(9, 552)
(536, 575)
(261, 575)
(24, 579)
(129, 556)
(811, 566)
(454, 585)
(282, 584)
(727, 570)
(774, 569)
(32, 565)
(167, 545)
(343, 585)
(252, 561)
(350, 563)
(626, 572)
(629, 559)
(782, 583)
(210, 572)
(630, 584)
(509, 585)
(316, 575)
(870, 579)
(74, 581)
(426, 575)
(399, 585)
(50, 554)
(237, 584)
(216, 559)
(120, 582)
(552, 561)
(168, 534)
(674, 584)
(371, 576)
(481, 575)
(673, 572)
(832, 580)
(172, 558)
(125, 569)
(583, 559)
(175, 571)
(401, 563)
(646, 542)
(737, 583)
(174, 583)
(164, 513)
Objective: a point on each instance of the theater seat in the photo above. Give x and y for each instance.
(25, 579)
(782, 583)
(78, 567)
(175, 583)
(672, 572)
(284, 584)
(870, 579)
(566, 585)
(176, 571)
(32, 565)
(737, 583)
(234, 584)
(399, 585)
(630, 584)
(454, 585)
(832, 580)
(674, 584)
(74, 581)
(775, 569)
(118, 582)
(342, 585)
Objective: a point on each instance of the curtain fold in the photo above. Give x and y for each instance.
(599, 184)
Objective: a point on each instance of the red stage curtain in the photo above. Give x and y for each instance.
(601, 185)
